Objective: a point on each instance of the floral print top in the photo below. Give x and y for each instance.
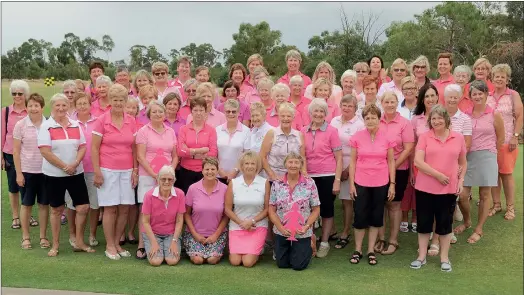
(305, 194)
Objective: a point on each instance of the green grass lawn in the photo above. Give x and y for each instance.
(493, 266)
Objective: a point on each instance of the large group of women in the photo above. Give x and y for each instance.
(258, 166)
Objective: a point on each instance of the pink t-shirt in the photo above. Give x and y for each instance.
(116, 148)
(400, 130)
(188, 138)
(163, 214)
(165, 141)
(87, 128)
(7, 133)
(443, 157)
(207, 209)
(97, 110)
(273, 120)
(321, 146)
(30, 156)
(372, 157)
(333, 111)
(251, 97)
(441, 84)
(345, 131)
(483, 136)
(285, 79)
(214, 118)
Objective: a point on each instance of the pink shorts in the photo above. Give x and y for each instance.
(247, 242)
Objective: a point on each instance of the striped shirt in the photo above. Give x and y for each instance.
(64, 143)
(30, 156)
(461, 123)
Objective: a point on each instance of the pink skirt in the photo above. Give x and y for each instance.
(247, 241)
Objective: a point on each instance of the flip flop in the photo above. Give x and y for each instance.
(143, 253)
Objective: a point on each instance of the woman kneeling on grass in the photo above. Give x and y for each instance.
(163, 217)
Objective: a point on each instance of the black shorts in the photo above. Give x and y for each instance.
(401, 179)
(11, 174)
(186, 178)
(33, 189)
(369, 206)
(325, 193)
(295, 255)
(438, 208)
(75, 185)
(223, 180)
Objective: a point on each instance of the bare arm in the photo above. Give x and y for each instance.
(404, 155)
(96, 141)
(467, 139)
(174, 157)
(303, 153)
(391, 165)
(423, 166)
(52, 158)
(179, 225)
(17, 146)
(264, 151)
(499, 129)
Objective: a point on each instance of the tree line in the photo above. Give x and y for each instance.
(469, 30)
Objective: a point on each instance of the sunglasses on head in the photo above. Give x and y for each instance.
(17, 94)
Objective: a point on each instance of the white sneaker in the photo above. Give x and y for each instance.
(323, 251)
(274, 256)
(458, 214)
(404, 227)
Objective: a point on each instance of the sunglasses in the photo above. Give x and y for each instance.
(158, 74)
(190, 90)
(166, 179)
(399, 70)
(409, 89)
(419, 67)
(231, 112)
(17, 94)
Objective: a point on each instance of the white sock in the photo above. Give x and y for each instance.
(324, 244)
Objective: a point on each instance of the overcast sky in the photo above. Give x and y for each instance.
(170, 25)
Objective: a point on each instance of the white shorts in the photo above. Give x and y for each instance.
(91, 191)
(145, 183)
(117, 188)
(344, 190)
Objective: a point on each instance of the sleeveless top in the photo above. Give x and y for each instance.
(281, 147)
(505, 106)
(484, 136)
(248, 200)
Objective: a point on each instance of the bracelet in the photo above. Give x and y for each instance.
(175, 239)
(392, 182)
(338, 179)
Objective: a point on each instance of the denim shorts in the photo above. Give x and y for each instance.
(164, 241)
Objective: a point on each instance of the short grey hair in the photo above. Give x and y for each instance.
(318, 103)
(104, 79)
(20, 85)
(463, 69)
(258, 70)
(120, 69)
(190, 82)
(166, 169)
(440, 110)
(231, 103)
(153, 103)
(69, 84)
(349, 98)
(280, 88)
(452, 88)
(296, 79)
(265, 82)
(57, 97)
(388, 93)
(478, 85)
(293, 53)
(287, 106)
(349, 73)
(294, 156)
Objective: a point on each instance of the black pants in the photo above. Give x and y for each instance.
(186, 178)
(369, 206)
(325, 194)
(295, 255)
(11, 174)
(438, 208)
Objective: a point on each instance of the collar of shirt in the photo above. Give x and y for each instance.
(432, 134)
(150, 126)
(506, 92)
(107, 119)
(200, 186)
(322, 128)
(301, 179)
(156, 193)
(178, 119)
(53, 123)
(395, 119)
(237, 128)
(12, 110)
(457, 114)
(257, 179)
(28, 122)
(487, 110)
(287, 78)
(352, 120)
(440, 80)
(262, 127)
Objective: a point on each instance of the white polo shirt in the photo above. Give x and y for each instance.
(64, 143)
(231, 146)
(248, 200)
(256, 136)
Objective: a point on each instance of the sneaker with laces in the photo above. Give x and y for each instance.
(404, 227)
(323, 251)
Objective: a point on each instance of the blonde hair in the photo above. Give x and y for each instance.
(319, 82)
(265, 82)
(361, 65)
(147, 90)
(321, 65)
(421, 59)
(250, 155)
(388, 94)
(154, 103)
(408, 79)
(158, 66)
(258, 107)
(206, 86)
(293, 53)
(480, 61)
(142, 73)
(280, 88)
(117, 90)
(398, 62)
(258, 70)
(254, 57)
(501, 68)
(287, 106)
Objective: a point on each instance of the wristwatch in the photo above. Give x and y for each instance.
(516, 134)
(253, 221)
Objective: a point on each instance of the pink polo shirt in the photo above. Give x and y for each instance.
(30, 156)
(97, 110)
(207, 209)
(345, 131)
(184, 112)
(164, 141)
(483, 136)
(273, 120)
(87, 128)
(245, 88)
(285, 79)
(504, 105)
(116, 150)
(162, 215)
(400, 130)
(188, 138)
(420, 124)
(7, 133)
(443, 157)
(214, 118)
(321, 146)
(172, 89)
(251, 97)
(465, 103)
(336, 91)
(390, 86)
(372, 157)
(142, 117)
(333, 111)
(441, 84)
(301, 106)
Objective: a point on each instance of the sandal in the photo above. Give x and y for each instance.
(142, 253)
(386, 252)
(33, 222)
(26, 246)
(86, 249)
(342, 243)
(16, 224)
(93, 242)
(461, 228)
(52, 253)
(510, 212)
(44, 243)
(495, 209)
(379, 246)
(472, 240)
(372, 258)
(355, 258)
(332, 237)
(453, 239)
(433, 250)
